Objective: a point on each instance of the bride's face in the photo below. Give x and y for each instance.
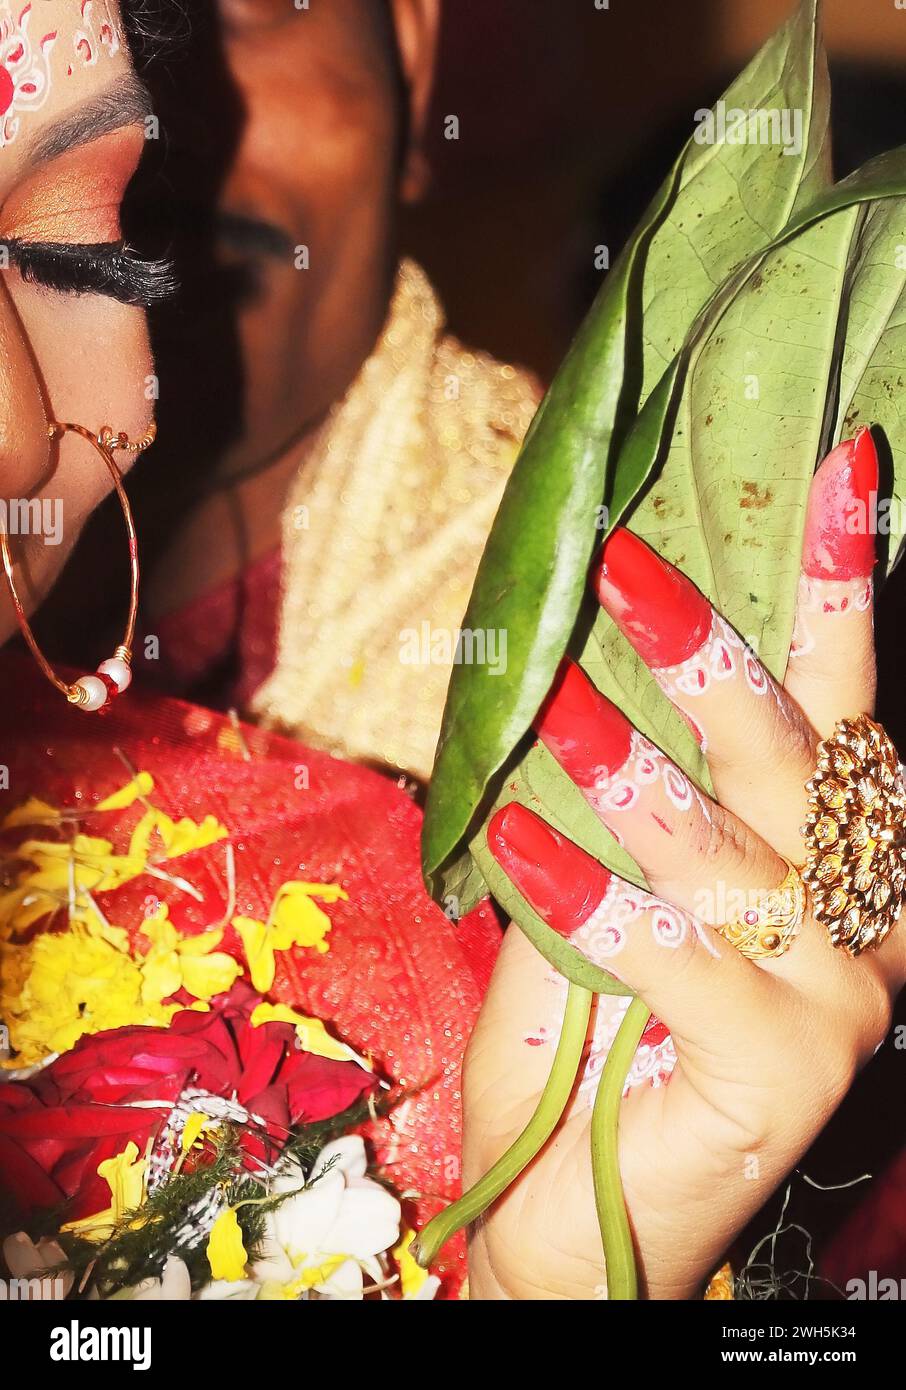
(72, 130)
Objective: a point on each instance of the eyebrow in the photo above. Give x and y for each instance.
(125, 104)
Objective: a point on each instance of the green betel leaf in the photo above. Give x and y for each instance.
(658, 429)
(530, 580)
(722, 202)
(872, 376)
(797, 343)
(736, 196)
(667, 407)
(728, 503)
(801, 341)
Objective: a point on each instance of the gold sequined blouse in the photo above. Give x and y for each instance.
(383, 529)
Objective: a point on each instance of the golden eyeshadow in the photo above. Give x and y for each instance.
(76, 197)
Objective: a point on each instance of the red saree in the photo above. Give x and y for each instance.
(399, 981)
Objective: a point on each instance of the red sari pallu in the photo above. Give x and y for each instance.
(400, 982)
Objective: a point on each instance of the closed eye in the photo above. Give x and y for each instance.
(107, 268)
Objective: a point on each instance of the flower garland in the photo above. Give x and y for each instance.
(169, 1130)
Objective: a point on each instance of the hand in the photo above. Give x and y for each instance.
(758, 1054)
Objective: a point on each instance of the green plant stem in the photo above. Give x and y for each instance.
(619, 1254)
(428, 1244)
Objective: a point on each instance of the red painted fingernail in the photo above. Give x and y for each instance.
(584, 730)
(658, 609)
(655, 1032)
(563, 884)
(841, 519)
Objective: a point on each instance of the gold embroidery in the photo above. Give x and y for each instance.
(383, 529)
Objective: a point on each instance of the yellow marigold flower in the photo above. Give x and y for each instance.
(31, 812)
(183, 836)
(141, 785)
(14, 971)
(259, 952)
(295, 920)
(177, 837)
(64, 875)
(300, 921)
(87, 861)
(21, 907)
(412, 1276)
(313, 1036)
(225, 1250)
(140, 839)
(75, 985)
(160, 971)
(88, 915)
(176, 961)
(63, 985)
(207, 976)
(125, 1176)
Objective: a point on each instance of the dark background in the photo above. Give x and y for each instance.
(569, 118)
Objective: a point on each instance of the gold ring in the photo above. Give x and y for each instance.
(855, 835)
(770, 926)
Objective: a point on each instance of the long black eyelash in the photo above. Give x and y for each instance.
(110, 268)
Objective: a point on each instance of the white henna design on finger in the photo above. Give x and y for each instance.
(605, 933)
(722, 656)
(652, 1065)
(827, 597)
(646, 765)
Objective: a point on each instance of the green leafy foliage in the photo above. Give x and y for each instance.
(168, 1221)
(756, 317)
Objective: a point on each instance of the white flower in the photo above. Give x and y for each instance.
(328, 1236)
(36, 1263)
(239, 1290)
(175, 1286)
